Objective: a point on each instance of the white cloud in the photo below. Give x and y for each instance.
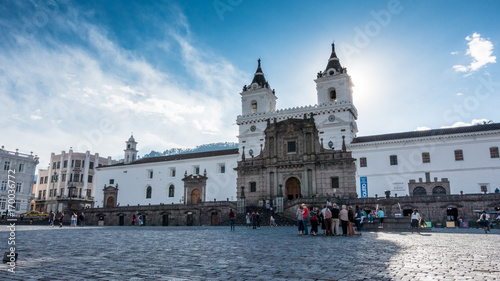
(480, 50)
(455, 53)
(460, 94)
(422, 128)
(75, 88)
(464, 124)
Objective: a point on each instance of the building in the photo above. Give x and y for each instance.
(307, 154)
(177, 179)
(431, 162)
(17, 177)
(68, 182)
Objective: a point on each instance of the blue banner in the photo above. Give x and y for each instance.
(364, 187)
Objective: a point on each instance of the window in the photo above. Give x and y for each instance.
(21, 168)
(149, 190)
(335, 182)
(59, 165)
(196, 170)
(426, 157)
(150, 174)
(253, 186)
(333, 95)
(172, 172)
(494, 152)
(91, 165)
(39, 194)
(394, 159)
(89, 180)
(292, 147)
(459, 155)
(362, 162)
(54, 166)
(17, 205)
(2, 204)
(61, 191)
(63, 179)
(222, 169)
(50, 192)
(44, 193)
(419, 191)
(78, 163)
(4, 185)
(254, 106)
(19, 187)
(484, 188)
(438, 190)
(111, 181)
(65, 164)
(6, 166)
(72, 163)
(89, 193)
(171, 191)
(46, 179)
(76, 177)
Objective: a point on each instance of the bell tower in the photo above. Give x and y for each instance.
(334, 92)
(258, 96)
(130, 150)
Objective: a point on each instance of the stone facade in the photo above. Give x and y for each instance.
(429, 187)
(205, 213)
(293, 164)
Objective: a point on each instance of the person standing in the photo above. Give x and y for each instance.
(82, 219)
(52, 218)
(328, 221)
(358, 216)
(232, 216)
(300, 219)
(305, 216)
(350, 218)
(254, 220)
(415, 221)
(484, 221)
(335, 220)
(257, 216)
(133, 220)
(381, 218)
(343, 216)
(140, 219)
(60, 218)
(73, 220)
(248, 218)
(314, 224)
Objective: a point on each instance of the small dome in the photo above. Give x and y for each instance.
(131, 138)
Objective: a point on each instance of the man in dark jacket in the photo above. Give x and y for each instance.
(335, 219)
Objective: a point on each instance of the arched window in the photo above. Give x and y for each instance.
(148, 192)
(438, 190)
(254, 106)
(333, 94)
(419, 191)
(171, 191)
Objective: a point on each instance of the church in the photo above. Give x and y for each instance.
(311, 151)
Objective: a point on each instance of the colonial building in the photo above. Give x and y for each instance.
(297, 152)
(177, 179)
(17, 177)
(439, 161)
(68, 182)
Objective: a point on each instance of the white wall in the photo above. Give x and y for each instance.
(467, 175)
(132, 180)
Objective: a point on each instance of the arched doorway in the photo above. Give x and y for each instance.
(292, 186)
(214, 219)
(110, 202)
(195, 196)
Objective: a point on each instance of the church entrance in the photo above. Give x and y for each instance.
(110, 202)
(292, 186)
(195, 196)
(214, 219)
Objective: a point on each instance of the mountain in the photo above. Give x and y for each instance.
(200, 148)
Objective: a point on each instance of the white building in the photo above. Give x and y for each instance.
(467, 157)
(68, 182)
(161, 180)
(413, 163)
(17, 176)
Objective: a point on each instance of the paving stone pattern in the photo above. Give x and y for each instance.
(215, 253)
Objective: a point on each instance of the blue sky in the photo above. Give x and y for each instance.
(85, 74)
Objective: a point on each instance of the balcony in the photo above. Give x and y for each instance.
(74, 183)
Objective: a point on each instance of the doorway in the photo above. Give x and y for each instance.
(292, 186)
(110, 202)
(195, 196)
(121, 221)
(214, 219)
(189, 220)
(165, 220)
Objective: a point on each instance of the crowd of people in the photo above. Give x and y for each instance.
(57, 218)
(334, 221)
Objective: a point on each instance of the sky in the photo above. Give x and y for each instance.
(88, 74)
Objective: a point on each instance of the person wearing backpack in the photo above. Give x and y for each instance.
(328, 221)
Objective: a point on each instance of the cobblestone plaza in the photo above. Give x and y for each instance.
(215, 253)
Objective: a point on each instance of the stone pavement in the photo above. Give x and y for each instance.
(215, 253)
